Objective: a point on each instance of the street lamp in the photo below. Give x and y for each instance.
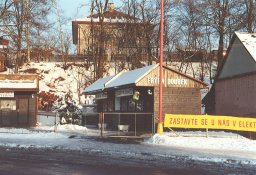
(160, 118)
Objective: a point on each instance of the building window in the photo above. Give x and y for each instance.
(7, 104)
(130, 105)
(140, 106)
(108, 105)
(124, 104)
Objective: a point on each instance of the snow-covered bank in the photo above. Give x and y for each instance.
(218, 141)
(217, 144)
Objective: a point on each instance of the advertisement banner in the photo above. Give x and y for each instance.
(210, 122)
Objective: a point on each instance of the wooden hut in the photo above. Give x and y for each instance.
(136, 92)
(18, 100)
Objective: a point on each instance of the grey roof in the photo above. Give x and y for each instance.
(123, 78)
(249, 41)
(98, 85)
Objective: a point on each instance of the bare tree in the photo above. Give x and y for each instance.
(250, 13)
(4, 7)
(100, 7)
(24, 15)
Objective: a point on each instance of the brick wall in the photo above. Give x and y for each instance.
(179, 101)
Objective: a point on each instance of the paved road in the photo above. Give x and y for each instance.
(55, 162)
(49, 162)
(113, 161)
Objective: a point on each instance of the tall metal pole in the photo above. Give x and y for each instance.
(160, 122)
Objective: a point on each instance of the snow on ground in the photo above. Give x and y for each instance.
(197, 140)
(56, 79)
(71, 137)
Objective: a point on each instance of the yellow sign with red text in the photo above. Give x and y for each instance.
(210, 122)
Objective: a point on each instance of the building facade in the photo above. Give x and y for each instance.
(136, 91)
(18, 100)
(234, 90)
(118, 35)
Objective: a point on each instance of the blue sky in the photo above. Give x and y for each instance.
(78, 8)
(73, 9)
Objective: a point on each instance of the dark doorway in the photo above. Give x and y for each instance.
(23, 111)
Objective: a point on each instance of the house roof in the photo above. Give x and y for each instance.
(241, 56)
(122, 78)
(109, 16)
(98, 85)
(249, 42)
(127, 78)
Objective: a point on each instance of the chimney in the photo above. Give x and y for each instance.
(110, 7)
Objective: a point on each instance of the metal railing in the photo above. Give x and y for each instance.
(136, 123)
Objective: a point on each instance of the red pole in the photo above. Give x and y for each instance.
(160, 122)
(101, 124)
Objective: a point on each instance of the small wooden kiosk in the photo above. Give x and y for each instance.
(18, 100)
(136, 92)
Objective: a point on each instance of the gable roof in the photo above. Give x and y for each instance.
(241, 56)
(122, 78)
(249, 42)
(128, 78)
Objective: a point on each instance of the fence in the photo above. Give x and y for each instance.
(48, 119)
(14, 118)
(132, 124)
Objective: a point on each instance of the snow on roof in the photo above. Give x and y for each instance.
(131, 77)
(112, 20)
(109, 16)
(249, 41)
(98, 85)
(123, 78)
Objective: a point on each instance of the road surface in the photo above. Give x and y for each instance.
(49, 161)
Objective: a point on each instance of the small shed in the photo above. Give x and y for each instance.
(136, 92)
(235, 87)
(18, 100)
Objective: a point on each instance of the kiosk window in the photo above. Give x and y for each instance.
(124, 104)
(108, 106)
(131, 105)
(140, 106)
(7, 104)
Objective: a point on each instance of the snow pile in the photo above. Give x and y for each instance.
(70, 127)
(14, 130)
(222, 141)
(58, 79)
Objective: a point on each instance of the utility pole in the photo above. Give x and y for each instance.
(160, 118)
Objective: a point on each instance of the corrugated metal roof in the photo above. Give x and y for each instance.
(130, 77)
(127, 78)
(97, 85)
(249, 41)
(123, 78)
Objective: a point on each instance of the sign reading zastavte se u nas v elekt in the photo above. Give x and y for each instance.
(210, 122)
